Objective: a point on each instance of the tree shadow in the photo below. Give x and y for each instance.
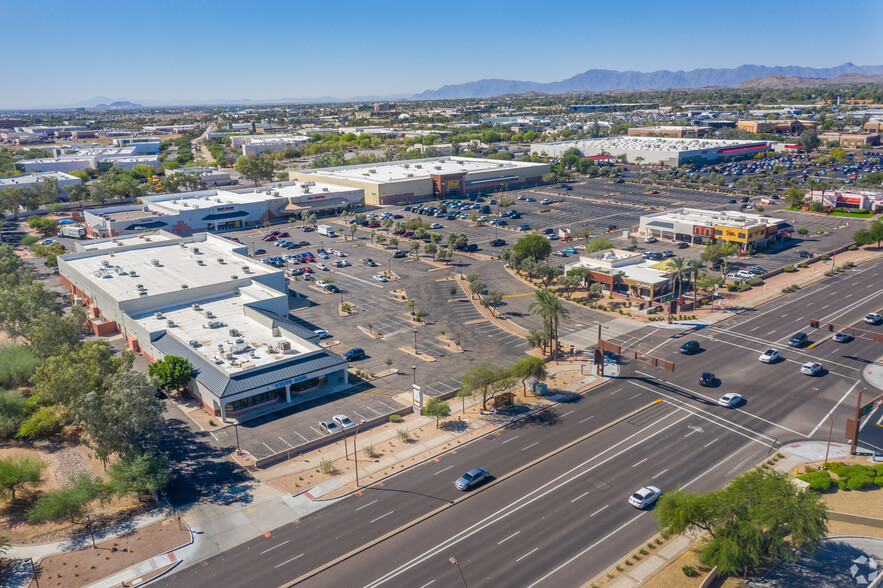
(543, 418)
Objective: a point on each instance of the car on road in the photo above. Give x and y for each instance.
(323, 334)
(354, 354)
(653, 192)
(706, 379)
(841, 337)
(745, 274)
(803, 253)
(735, 277)
(798, 340)
(524, 227)
(322, 266)
(769, 356)
(497, 243)
(321, 283)
(730, 400)
(645, 497)
(343, 421)
(873, 318)
(559, 254)
(379, 278)
(650, 239)
(731, 201)
(340, 263)
(472, 478)
(811, 368)
(690, 347)
(329, 427)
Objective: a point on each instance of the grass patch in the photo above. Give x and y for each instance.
(852, 214)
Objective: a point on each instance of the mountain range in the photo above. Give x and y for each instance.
(600, 80)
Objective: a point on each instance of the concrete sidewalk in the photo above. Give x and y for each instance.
(873, 375)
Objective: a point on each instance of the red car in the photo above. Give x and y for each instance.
(269, 238)
(275, 233)
(282, 235)
(307, 270)
(373, 225)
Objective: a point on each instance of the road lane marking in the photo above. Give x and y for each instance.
(640, 462)
(599, 510)
(710, 443)
(567, 413)
(526, 554)
(588, 419)
(635, 396)
(275, 546)
(531, 445)
(829, 414)
(444, 470)
(659, 474)
(367, 505)
(428, 584)
(578, 497)
(754, 329)
(510, 439)
(381, 516)
(290, 560)
(576, 472)
(509, 537)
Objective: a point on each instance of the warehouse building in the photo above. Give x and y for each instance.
(204, 299)
(425, 179)
(211, 176)
(852, 140)
(256, 144)
(676, 132)
(65, 181)
(871, 200)
(221, 210)
(785, 127)
(693, 225)
(657, 150)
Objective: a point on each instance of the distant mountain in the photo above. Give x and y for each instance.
(118, 105)
(780, 82)
(600, 80)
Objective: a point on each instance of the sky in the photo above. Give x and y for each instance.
(67, 52)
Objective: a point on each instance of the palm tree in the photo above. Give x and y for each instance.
(695, 266)
(550, 307)
(678, 268)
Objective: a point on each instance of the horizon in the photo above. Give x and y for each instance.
(363, 56)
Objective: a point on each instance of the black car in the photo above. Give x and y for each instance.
(798, 340)
(369, 262)
(354, 354)
(260, 252)
(682, 245)
(706, 379)
(803, 253)
(690, 347)
(497, 243)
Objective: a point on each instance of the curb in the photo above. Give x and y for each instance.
(179, 560)
(442, 508)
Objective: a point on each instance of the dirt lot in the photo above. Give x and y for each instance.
(65, 460)
(83, 567)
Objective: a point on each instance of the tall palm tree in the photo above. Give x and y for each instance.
(695, 266)
(550, 307)
(677, 267)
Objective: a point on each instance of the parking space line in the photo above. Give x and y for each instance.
(315, 431)
(286, 442)
(301, 436)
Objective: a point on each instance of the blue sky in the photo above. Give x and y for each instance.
(64, 52)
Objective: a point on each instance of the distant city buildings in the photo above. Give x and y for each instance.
(657, 150)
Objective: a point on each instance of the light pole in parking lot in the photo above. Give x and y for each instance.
(414, 371)
(415, 341)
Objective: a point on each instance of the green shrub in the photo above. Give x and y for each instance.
(842, 484)
(754, 282)
(17, 365)
(395, 418)
(859, 482)
(689, 571)
(802, 265)
(834, 466)
(878, 480)
(742, 287)
(29, 240)
(13, 411)
(852, 247)
(825, 257)
(731, 287)
(789, 269)
(818, 481)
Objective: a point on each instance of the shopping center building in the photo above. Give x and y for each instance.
(625, 272)
(204, 299)
(697, 226)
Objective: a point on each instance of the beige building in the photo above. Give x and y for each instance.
(852, 140)
(788, 127)
(677, 132)
(425, 179)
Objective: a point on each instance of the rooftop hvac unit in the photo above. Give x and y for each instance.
(285, 346)
(209, 314)
(157, 315)
(200, 262)
(154, 262)
(324, 189)
(275, 193)
(234, 277)
(105, 263)
(184, 286)
(139, 286)
(220, 347)
(196, 250)
(410, 175)
(170, 323)
(234, 332)
(419, 166)
(133, 274)
(142, 293)
(195, 306)
(78, 301)
(182, 245)
(212, 325)
(271, 350)
(221, 260)
(194, 343)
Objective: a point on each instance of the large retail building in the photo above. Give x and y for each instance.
(693, 225)
(204, 299)
(424, 179)
(657, 150)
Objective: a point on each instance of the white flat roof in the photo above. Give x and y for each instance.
(12, 181)
(214, 198)
(617, 145)
(176, 266)
(418, 169)
(125, 241)
(724, 217)
(273, 139)
(252, 344)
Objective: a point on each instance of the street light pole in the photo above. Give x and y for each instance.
(454, 561)
(356, 451)
(236, 430)
(414, 371)
(415, 341)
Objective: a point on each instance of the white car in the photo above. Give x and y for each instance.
(811, 368)
(873, 318)
(730, 400)
(322, 267)
(339, 254)
(46, 242)
(343, 421)
(321, 283)
(546, 201)
(745, 274)
(769, 356)
(379, 278)
(650, 239)
(734, 277)
(323, 334)
(435, 226)
(645, 497)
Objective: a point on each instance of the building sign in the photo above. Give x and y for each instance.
(418, 398)
(452, 184)
(288, 382)
(703, 231)
(223, 208)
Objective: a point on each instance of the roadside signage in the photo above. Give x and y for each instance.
(417, 392)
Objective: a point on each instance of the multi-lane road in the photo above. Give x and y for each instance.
(556, 509)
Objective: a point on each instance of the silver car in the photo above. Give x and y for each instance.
(472, 478)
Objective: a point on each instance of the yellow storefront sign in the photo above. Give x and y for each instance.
(739, 235)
